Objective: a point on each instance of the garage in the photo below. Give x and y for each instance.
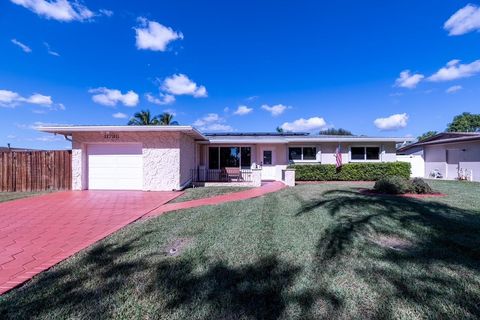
(115, 166)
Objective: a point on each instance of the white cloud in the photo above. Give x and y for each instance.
(393, 122)
(454, 89)
(275, 110)
(23, 46)
(218, 127)
(119, 115)
(110, 97)
(49, 138)
(37, 124)
(212, 122)
(408, 80)
(209, 118)
(243, 110)
(456, 70)
(163, 100)
(106, 12)
(39, 99)
(463, 21)
(50, 51)
(61, 10)
(9, 98)
(308, 125)
(12, 99)
(180, 84)
(151, 35)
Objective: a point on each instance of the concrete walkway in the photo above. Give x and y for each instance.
(266, 188)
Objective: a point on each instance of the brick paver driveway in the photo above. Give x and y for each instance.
(38, 232)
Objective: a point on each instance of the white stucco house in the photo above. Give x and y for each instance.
(448, 155)
(160, 158)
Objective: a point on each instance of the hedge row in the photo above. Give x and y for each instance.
(351, 171)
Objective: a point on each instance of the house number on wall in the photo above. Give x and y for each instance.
(111, 136)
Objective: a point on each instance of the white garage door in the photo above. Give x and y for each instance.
(115, 167)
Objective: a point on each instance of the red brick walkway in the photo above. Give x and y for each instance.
(38, 232)
(235, 196)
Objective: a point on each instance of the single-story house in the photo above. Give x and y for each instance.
(448, 155)
(171, 157)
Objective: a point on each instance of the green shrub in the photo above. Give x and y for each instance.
(419, 186)
(351, 171)
(393, 185)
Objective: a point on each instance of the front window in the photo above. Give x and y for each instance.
(213, 158)
(267, 157)
(365, 153)
(309, 153)
(358, 153)
(246, 157)
(373, 153)
(295, 153)
(222, 157)
(229, 157)
(302, 153)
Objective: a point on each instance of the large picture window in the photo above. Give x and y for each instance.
(229, 157)
(222, 157)
(246, 157)
(302, 153)
(309, 153)
(365, 153)
(213, 158)
(358, 153)
(295, 153)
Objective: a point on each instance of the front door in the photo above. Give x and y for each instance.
(453, 162)
(268, 168)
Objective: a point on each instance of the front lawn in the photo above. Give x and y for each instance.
(313, 251)
(206, 192)
(7, 196)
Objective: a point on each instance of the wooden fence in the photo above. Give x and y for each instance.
(25, 171)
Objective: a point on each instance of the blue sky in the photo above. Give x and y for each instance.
(378, 68)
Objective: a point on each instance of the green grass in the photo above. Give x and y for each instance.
(206, 192)
(7, 196)
(313, 251)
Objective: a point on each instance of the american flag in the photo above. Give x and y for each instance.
(338, 156)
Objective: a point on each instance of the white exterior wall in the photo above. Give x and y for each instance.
(188, 156)
(325, 152)
(436, 158)
(388, 152)
(161, 157)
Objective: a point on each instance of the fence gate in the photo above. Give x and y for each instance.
(417, 162)
(25, 171)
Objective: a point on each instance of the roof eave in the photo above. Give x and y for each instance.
(69, 130)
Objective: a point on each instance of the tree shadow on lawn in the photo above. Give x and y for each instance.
(108, 282)
(430, 276)
(67, 290)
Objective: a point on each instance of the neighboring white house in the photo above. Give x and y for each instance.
(449, 155)
(169, 157)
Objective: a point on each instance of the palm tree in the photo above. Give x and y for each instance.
(166, 119)
(143, 118)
